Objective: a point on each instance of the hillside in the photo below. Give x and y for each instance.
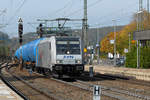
(4, 38)
(102, 32)
(92, 34)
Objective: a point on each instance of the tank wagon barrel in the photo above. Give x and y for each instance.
(28, 51)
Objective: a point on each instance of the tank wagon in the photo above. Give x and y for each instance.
(55, 54)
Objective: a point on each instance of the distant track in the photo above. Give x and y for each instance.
(128, 93)
(113, 89)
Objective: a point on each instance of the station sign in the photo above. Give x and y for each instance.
(20, 20)
(112, 41)
(96, 92)
(126, 50)
(97, 45)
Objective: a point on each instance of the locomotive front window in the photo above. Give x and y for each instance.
(64, 46)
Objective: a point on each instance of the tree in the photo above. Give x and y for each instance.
(122, 37)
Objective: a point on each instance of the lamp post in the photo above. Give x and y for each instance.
(98, 46)
(129, 41)
(114, 21)
(138, 28)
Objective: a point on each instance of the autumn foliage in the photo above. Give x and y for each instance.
(122, 37)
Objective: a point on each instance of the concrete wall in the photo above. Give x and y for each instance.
(140, 74)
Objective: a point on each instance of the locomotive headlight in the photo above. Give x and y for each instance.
(78, 61)
(58, 61)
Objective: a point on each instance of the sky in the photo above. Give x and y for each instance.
(100, 12)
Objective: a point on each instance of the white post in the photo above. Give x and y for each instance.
(114, 42)
(98, 46)
(96, 92)
(138, 28)
(137, 54)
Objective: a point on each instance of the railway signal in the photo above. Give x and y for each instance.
(20, 33)
(20, 30)
(40, 30)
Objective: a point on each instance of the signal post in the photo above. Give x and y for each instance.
(20, 32)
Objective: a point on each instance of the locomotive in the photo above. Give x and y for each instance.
(61, 55)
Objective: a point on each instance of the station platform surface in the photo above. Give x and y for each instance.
(140, 74)
(7, 94)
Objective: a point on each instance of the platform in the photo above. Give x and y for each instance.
(140, 74)
(7, 94)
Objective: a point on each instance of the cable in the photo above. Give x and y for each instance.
(57, 11)
(107, 20)
(90, 5)
(2, 12)
(17, 11)
(112, 14)
(69, 8)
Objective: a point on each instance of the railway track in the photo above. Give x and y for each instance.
(60, 89)
(9, 84)
(67, 90)
(123, 78)
(24, 88)
(121, 94)
(98, 80)
(119, 79)
(129, 81)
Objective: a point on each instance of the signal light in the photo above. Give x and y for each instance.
(20, 31)
(20, 28)
(41, 30)
(133, 41)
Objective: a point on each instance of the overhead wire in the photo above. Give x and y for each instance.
(60, 9)
(17, 11)
(90, 5)
(105, 15)
(112, 13)
(109, 21)
(3, 11)
(69, 8)
(79, 10)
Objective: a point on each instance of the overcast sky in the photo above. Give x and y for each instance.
(99, 12)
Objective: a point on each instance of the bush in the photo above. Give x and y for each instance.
(131, 57)
(4, 51)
